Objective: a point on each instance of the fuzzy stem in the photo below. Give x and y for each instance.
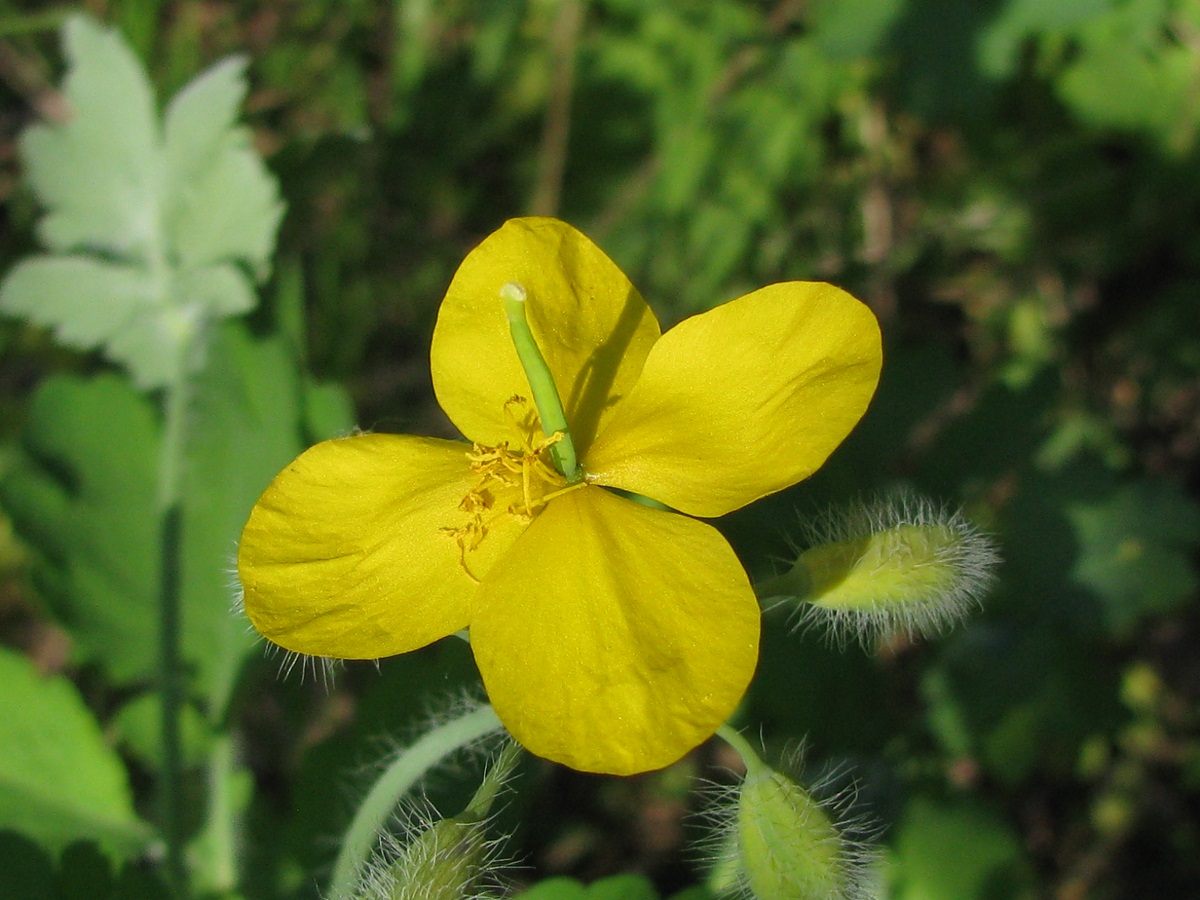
(396, 781)
(743, 747)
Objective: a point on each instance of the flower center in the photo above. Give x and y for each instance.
(515, 479)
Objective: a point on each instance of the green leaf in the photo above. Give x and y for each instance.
(1002, 40)
(83, 493)
(247, 423)
(957, 850)
(1132, 74)
(158, 234)
(622, 887)
(59, 780)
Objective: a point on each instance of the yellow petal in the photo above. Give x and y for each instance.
(592, 326)
(344, 554)
(743, 400)
(613, 637)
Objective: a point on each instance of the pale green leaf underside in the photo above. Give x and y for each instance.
(98, 173)
(59, 780)
(90, 303)
(86, 300)
(213, 171)
(229, 211)
(161, 231)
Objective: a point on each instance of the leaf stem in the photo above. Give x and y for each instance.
(396, 781)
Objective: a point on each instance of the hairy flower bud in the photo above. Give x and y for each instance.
(446, 859)
(787, 845)
(774, 840)
(897, 564)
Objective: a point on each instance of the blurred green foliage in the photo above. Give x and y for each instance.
(1013, 185)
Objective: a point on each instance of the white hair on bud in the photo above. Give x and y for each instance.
(969, 556)
(394, 871)
(857, 856)
(407, 852)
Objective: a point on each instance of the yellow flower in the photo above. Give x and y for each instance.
(611, 636)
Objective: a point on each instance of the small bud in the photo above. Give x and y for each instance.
(447, 859)
(898, 564)
(780, 843)
(787, 846)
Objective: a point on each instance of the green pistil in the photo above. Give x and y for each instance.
(541, 383)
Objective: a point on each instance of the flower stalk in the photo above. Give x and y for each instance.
(171, 459)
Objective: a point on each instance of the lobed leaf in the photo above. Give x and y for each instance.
(98, 174)
(83, 494)
(160, 230)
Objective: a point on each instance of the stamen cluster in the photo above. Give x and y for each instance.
(524, 467)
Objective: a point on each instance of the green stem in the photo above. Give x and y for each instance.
(396, 781)
(743, 747)
(171, 459)
(796, 583)
(541, 383)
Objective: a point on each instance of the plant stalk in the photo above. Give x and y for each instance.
(171, 461)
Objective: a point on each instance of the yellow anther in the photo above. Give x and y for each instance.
(521, 466)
